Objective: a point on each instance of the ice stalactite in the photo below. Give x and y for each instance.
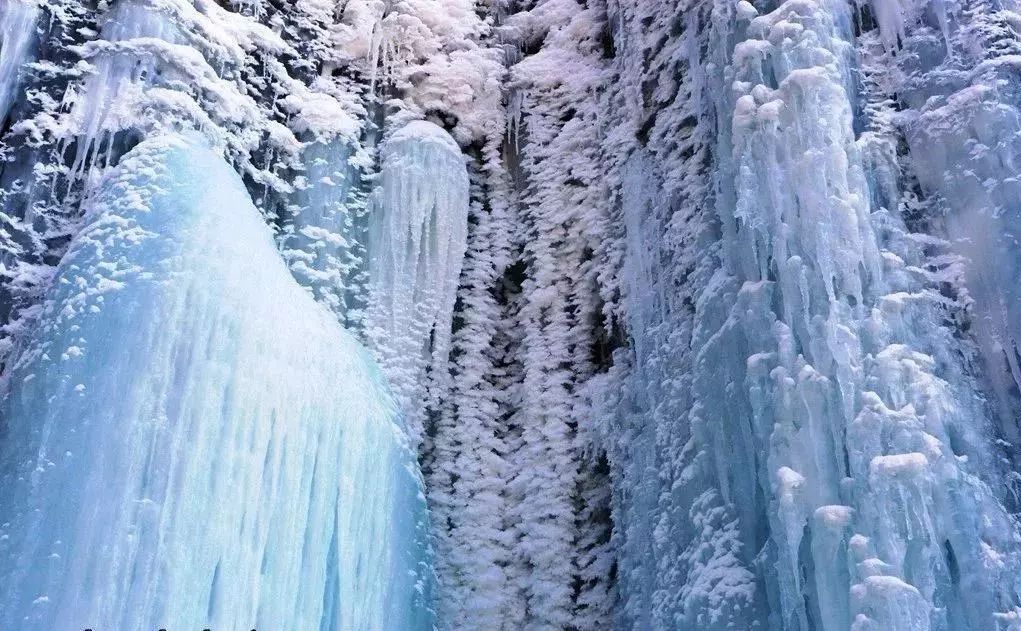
(679, 568)
(190, 442)
(17, 45)
(418, 226)
(173, 64)
(842, 449)
(130, 60)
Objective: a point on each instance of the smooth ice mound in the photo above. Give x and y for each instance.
(190, 442)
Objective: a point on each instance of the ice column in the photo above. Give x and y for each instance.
(418, 227)
(189, 441)
(17, 46)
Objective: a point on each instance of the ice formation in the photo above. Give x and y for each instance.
(167, 65)
(190, 442)
(964, 146)
(702, 314)
(325, 240)
(132, 68)
(829, 461)
(387, 266)
(418, 226)
(17, 46)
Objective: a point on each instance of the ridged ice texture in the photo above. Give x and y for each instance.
(189, 441)
(418, 226)
(868, 448)
(17, 46)
(839, 468)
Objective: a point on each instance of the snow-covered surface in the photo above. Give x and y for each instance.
(190, 442)
(155, 68)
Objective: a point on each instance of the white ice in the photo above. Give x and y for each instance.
(818, 395)
(418, 226)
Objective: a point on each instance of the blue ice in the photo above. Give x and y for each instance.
(189, 441)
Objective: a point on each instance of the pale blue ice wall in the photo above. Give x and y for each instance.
(189, 441)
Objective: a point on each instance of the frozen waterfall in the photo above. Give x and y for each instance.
(190, 442)
(694, 315)
(829, 463)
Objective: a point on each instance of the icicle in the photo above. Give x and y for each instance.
(894, 17)
(418, 226)
(112, 96)
(152, 71)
